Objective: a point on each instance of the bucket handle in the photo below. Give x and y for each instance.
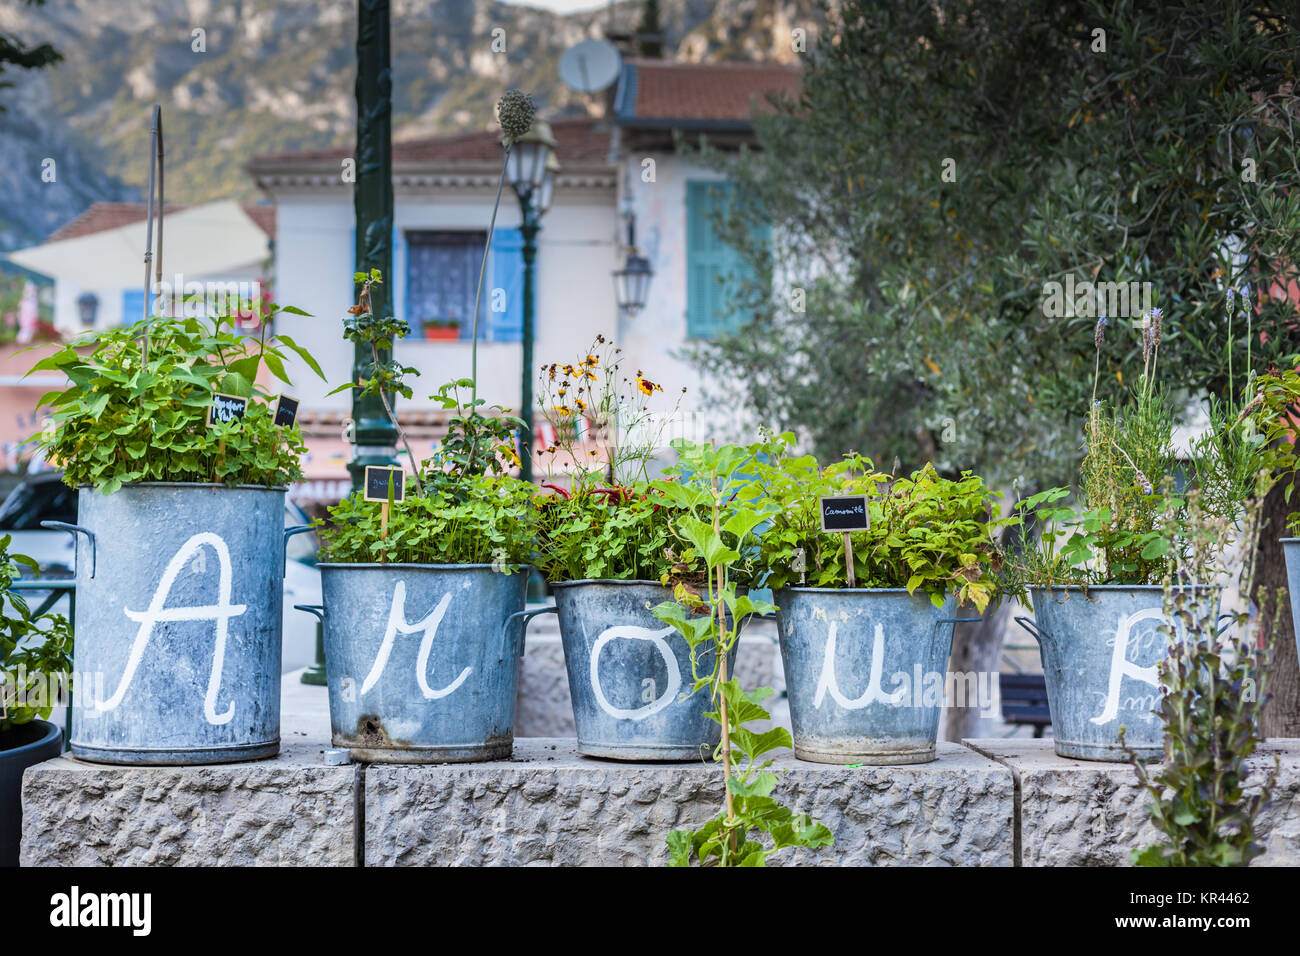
(1030, 625)
(955, 621)
(74, 530)
(289, 533)
(524, 617)
(315, 609)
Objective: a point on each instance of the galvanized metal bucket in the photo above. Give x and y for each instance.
(1291, 548)
(178, 623)
(865, 670)
(1100, 652)
(630, 674)
(421, 659)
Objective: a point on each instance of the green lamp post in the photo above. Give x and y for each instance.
(531, 169)
(374, 438)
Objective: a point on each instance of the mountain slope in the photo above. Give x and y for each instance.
(270, 75)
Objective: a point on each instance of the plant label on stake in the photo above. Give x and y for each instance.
(285, 411)
(226, 408)
(844, 514)
(386, 485)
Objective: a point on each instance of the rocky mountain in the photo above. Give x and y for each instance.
(241, 77)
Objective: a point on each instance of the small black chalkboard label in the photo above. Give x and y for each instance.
(376, 487)
(848, 513)
(226, 408)
(285, 412)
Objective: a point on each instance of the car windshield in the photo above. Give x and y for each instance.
(35, 501)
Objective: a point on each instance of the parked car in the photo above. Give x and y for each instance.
(45, 497)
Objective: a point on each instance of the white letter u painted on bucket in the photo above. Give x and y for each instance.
(828, 683)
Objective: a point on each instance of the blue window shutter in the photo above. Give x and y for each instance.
(132, 306)
(508, 276)
(707, 260)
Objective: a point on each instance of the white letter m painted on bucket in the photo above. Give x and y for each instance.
(1121, 666)
(221, 612)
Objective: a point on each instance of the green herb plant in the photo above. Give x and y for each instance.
(482, 519)
(123, 419)
(1128, 524)
(34, 651)
(1212, 694)
(752, 824)
(927, 532)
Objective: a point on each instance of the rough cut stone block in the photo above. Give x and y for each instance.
(544, 708)
(291, 810)
(1084, 813)
(551, 806)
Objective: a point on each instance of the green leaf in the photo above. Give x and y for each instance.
(298, 350)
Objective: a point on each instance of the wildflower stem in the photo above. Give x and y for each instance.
(482, 270)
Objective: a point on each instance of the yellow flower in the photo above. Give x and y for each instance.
(562, 410)
(646, 386)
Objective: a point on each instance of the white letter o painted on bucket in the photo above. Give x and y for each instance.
(632, 633)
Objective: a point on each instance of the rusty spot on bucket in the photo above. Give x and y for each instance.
(371, 733)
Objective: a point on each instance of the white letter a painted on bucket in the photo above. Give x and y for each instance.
(221, 612)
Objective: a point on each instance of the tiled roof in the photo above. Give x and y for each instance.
(658, 92)
(578, 141)
(109, 215)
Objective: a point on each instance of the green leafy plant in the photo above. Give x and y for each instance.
(623, 533)
(34, 651)
(384, 376)
(927, 532)
(475, 444)
(483, 519)
(124, 418)
(1211, 690)
(753, 824)
(1130, 520)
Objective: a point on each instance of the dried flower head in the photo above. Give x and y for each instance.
(1157, 326)
(1099, 334)
(516, 112)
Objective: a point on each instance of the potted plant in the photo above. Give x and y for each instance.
(35, 658)
(441, 330)
(1098, 579)
(421, 619)
(447, 562)
(181, 457)
(866, 665)
(608, 547)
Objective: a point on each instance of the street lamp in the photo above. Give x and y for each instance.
(530, 168)
(632, 282)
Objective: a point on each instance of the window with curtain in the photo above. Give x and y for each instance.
(441, 277)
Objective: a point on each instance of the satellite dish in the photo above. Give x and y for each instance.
(590, 66)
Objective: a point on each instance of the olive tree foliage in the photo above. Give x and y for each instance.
(945, 160)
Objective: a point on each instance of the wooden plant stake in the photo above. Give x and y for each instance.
(844, 514)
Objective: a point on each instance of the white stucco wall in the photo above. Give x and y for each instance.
(654, 339)
(574, 291)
